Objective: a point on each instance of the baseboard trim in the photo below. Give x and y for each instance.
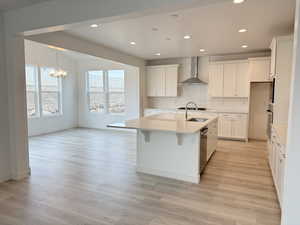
(21, 175)
(176, 176)
(5, 178)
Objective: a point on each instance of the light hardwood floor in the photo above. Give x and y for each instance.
(87, 177)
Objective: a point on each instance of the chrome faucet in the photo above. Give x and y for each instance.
(186, 108)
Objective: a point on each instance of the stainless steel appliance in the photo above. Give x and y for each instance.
(270, 120)
(270, 110)
(203, 149)
(194, 79)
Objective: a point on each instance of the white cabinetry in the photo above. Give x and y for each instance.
(273, 58)
(216, 79)
(259, 69)
(242, 79)
(229, 79)
(283, 74)
(233, 126)
(229, 88)
(277, 158)
(162, 80)
(212, 138)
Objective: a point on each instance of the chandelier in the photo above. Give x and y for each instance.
(58, 72)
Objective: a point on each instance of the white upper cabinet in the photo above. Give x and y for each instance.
(229, 79)
(216, 80)
(242, 79)
(283, 76)
(162, 81)
(273, 58)
(171, 80)
(259, 69)
(155, 81)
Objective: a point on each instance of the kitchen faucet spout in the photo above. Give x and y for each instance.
(186, 108)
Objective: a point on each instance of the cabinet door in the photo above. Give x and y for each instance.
(239, 126)
(225, 125)
(156, 81)
(276, 164)
(242, 80)
(212, 138)
(273, 57)
(280, 175)
(260, 70)
(216, 80)
(230, 70)
(171, 77)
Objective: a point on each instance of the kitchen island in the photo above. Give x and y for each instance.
(170, 146)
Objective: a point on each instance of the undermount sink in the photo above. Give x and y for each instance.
(201, 120)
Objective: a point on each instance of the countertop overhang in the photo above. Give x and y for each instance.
(169, 122)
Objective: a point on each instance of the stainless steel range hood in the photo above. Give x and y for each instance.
(194, 72)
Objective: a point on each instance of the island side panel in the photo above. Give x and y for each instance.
(162, 156)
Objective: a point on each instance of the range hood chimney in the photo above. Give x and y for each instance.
(194, 72)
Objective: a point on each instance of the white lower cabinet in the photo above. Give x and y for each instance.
(212, 138)
(277, 158)
(233, 126)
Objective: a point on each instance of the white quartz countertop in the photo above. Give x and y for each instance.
(216, 110)
(171, 122)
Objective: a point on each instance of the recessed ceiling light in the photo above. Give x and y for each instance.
(244, 46)
(243, 30)
(202, 50)
(158, 54)
(94, 26)
(238, 1)
(132, 43)
(187, 37)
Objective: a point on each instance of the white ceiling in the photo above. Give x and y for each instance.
(214, 28)
(14, 4)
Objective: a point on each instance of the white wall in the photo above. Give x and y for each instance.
(41, 55)
(4, 137)
(100, 120)
(291, 195)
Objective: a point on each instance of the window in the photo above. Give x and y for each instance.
(105, 89)
(43, 92)
(116, 94)
(96, 91)
(32, 90)
(50, 92)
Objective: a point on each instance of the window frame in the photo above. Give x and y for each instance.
(38, 97)
(101, 92)
(36, 92)
(59, 93)
(115, 92)
(106, 91)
